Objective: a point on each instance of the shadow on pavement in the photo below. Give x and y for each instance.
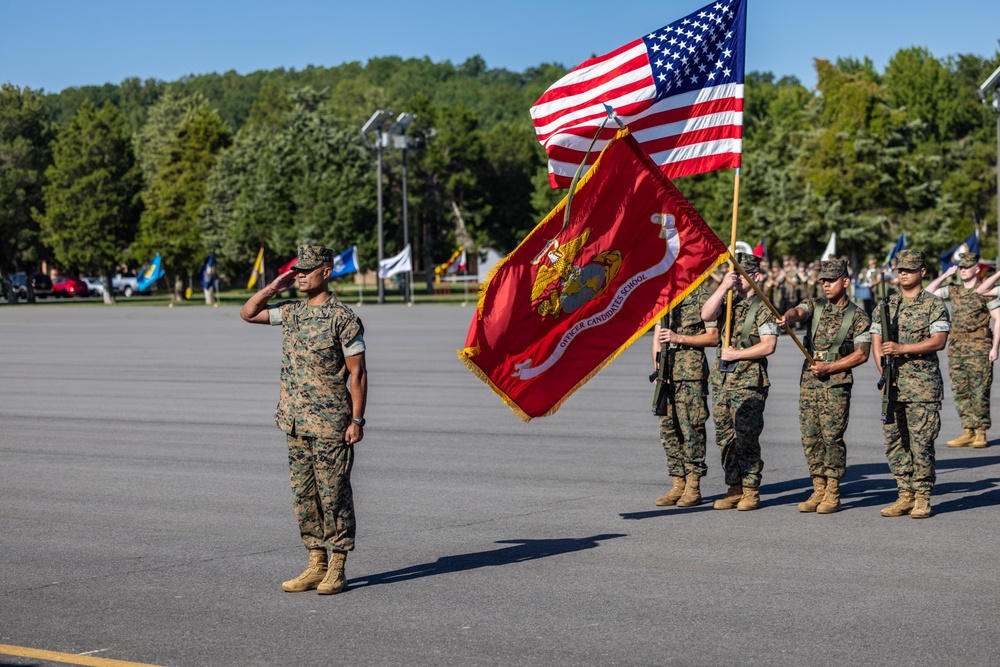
(870, 484)
(865, 485)
(706, 504)
(521, 551)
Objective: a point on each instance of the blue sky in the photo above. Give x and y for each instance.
(53, 44)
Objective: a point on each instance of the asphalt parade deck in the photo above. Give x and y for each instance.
(146, 516)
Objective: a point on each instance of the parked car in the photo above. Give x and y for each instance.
(68, 287)
(95, 285)
(128, 285)
(40, 283)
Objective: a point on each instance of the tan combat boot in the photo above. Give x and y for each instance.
(813, 501)
(312, 575)
(674, 494)
(335, 580)
(964, 440)
(731, 499)
(921, 506)
(902, 506)
(831, 501)
(750, 499)
(980, 441)
(692, 492)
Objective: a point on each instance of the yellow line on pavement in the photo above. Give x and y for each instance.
(89, 661)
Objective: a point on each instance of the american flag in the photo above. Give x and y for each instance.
(679, 89)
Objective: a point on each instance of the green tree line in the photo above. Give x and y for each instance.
(95, 177)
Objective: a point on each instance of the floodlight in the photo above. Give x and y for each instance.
(991, 82)
(378, 121)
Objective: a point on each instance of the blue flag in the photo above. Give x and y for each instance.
(346, 262)
(208, 272)
(149, 274)
(900, 245)
(950, 256)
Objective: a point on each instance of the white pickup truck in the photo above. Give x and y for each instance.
(126, 285)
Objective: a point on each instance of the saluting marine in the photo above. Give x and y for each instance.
(321, 408)
(918, 326)
(838, 340)
(971, 352)
(740, 384)
(679, 342)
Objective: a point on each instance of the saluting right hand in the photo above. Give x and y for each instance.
(284, 281)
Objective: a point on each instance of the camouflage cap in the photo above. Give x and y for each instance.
(311, 256)
(750, 263)
(832, 269)
(967, 260)
(911, 260)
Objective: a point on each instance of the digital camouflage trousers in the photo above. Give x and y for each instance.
(739, 421)
(683, 438)
(909, 445)
(321, 491)
(971, 378)
(823, 415)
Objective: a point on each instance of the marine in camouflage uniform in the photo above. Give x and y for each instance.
(920, 323)
(321, 407)
(682, 430)
(738, 396)
(838, 340)
(971, 349)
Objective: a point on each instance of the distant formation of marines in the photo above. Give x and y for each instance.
(904, 333)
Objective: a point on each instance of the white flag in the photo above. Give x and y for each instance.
(400, 263)
(831, 247)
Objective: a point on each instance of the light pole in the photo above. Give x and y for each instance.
(376, 123)
(992, 84)
(399, 140)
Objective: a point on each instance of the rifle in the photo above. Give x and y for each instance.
(887, 381)
(664, 398)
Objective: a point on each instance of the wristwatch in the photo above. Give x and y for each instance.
(359, 422)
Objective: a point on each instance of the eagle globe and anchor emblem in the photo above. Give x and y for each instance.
(562, 286)
(572, 285)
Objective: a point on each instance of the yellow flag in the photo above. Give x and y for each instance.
(258, 270)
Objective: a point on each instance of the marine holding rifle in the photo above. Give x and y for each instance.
(838, 340)
(909, 329)
(681, 395)
(739, 382)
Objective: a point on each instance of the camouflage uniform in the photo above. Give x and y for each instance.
(314, 410)
(825, 404)
(969, 365)
(683, 438)
(909, 443)
(738, 398)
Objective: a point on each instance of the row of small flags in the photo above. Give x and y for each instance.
(948, 258)
(343, 264)
(347, 262)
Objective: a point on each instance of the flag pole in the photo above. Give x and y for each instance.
(357, 265)
(774, 311)
(465, 283)
(732, 262)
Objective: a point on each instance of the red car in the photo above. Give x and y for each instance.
(67, 287)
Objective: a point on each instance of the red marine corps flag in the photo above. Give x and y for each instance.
(572, 297)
